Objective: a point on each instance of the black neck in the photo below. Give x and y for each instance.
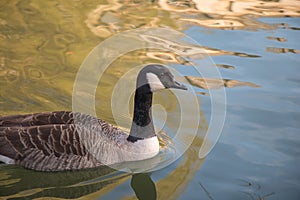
(142, 125)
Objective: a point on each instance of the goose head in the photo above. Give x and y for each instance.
(157, 77)
(150, 79)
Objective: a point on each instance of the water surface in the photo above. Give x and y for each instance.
(255, 45)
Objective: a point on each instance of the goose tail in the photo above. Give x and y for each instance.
(6, 151)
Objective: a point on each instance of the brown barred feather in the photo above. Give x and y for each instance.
(44, 118)
(50, 141)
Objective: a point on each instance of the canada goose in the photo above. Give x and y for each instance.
(65, 140)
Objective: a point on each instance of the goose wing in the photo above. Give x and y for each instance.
(46, 147)
(57, 141)
(36, 119)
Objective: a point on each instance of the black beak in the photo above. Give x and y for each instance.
(178, 85)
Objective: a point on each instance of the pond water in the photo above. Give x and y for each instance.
(254, 44)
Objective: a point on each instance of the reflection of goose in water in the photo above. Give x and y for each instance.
(143, 186)
(58, 141)
(28, 184)
(20, 183)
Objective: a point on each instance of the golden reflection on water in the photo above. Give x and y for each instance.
(281, 50)
(45, 42)
(37, 67)
(210, 83)
(105, 20)
(279, 39)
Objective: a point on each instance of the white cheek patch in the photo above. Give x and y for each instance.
(154, 82)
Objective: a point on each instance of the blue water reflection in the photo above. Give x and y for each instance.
(258, 153)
